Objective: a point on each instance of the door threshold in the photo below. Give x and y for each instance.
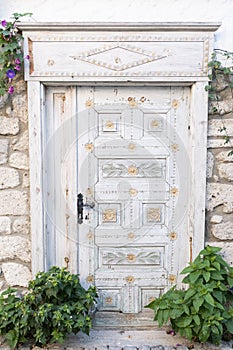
(153, 339)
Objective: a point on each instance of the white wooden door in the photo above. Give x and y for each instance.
(133, 164)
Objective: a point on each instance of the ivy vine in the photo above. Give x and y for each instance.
(11, 52)
(221, 66)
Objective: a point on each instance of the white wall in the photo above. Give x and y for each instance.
(129, 11)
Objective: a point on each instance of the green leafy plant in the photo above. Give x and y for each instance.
(203, 312)
(55, 305)
(11, 52)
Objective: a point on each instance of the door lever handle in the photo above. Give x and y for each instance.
(81, 205)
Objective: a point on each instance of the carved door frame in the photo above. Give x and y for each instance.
(195, 39)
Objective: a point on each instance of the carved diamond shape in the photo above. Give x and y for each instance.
(118, 56)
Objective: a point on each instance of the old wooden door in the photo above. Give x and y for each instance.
(133, 166)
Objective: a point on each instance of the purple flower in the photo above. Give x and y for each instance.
(17, 61)
(10, 73)
(27, 57)
(11, 89)
(17, 67)
(4, 23)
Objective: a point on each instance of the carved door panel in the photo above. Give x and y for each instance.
(133, 165)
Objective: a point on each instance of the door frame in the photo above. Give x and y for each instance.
(44, 33)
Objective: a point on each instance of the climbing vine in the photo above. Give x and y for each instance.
(11, 52)
(221, 67)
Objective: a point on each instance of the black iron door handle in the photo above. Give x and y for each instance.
(81, 205)
(80, 208)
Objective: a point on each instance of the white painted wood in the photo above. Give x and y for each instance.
(199, 123)
(117, 52)
(60, 188)
(35, 115)
(121, 26)
(143, 130)
(54, 221)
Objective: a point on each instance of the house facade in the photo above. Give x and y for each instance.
(112, 161)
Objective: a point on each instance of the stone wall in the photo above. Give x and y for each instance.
(219, 202)
(14, 184)
(14, 190)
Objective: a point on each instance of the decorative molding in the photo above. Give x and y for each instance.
(130, 279)
(153, 214)
(131, 147)
(120, 26)
(103, 55)
(131, 235)
(160, 73)
(132, 170)
(141, 56)
(138, 169)
(109, 215)
(133, 192)
(89, 147)
(135, 256)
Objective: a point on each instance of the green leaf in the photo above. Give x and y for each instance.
(229, 325)
(206, 276)
(189, 293)
(209, 299)
(218, 295)
(187, 270)
(204, 333)
(194, 276)
(186, 309)
(160, 318)
(166, 314)
(214, 329)
(188, 333)
(217, 265)
(175, 313)
(230, 281)
(217, 275)
(197, 303)
(184, 321)
(197, 320)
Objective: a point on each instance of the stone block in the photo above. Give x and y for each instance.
(16, 274)
(19, 160)
(20, 110)
(9, 126)
(9, 178)
(216, 219)
(5, 225)
(218, 194)
(21, 143)
(26, 180)
(226, 252)
(21, 225)
(228, 207)
(20, 86)
(223, 231)
(12, 247)
(3, 100)
(225, 105)
(3, 150)
(215, 125)
(224, 157)
(220, 83)
(225, 171)
(13, 202)
(210, 165)
(218, 143)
